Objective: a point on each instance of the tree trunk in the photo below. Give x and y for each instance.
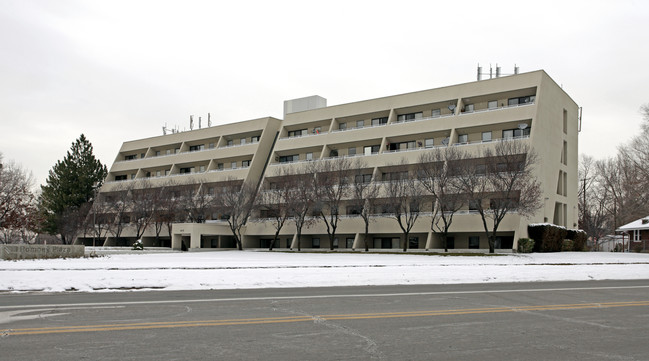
(367, 231)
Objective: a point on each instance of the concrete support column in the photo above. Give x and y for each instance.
(110, 241)
(294, 241)
(195, 240)
(358, 242)
(176, 241)
(429, 240)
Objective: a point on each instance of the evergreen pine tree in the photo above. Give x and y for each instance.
(70, 184)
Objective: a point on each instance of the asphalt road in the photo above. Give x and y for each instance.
(596, 320)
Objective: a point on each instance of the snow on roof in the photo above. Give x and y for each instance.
(642, 223)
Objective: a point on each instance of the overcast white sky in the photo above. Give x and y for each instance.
(119, 70)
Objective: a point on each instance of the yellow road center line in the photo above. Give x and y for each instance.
(292, 319)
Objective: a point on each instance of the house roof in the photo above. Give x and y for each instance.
(637, 224)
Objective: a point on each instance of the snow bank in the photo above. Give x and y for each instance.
(250, 269)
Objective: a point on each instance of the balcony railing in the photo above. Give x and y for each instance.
(304, 135)
(423, 119)
(491, 141)
(497, 108)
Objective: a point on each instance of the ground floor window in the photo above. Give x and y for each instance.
(474, 242)
(413, 242)
(315, 243)
(349, 242)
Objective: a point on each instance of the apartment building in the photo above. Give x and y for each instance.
(383, 133)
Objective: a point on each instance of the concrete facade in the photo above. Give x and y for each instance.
(529, 108)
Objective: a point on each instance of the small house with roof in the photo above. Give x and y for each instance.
(638, 232)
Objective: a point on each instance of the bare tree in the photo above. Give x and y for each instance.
(405, 197)
(500, 183)
(593, 200)
(16, 199)
(100, 218)
(235, 202)
(273, 203)
(332, 180)
(145, 200)
(301, 200)
(365, 192)
(72, 222)
(169, 210)
(120, 206)
(436, 172)
(197, 201)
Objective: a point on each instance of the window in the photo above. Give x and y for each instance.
(230, 142)
(315, 242)
(372, 149)
(317, 130)
(201, 169)
(211, 145)
(289, 158)
(428, 143)
(141, 155)
(309, 156)
(245, 163)
(409, 117)
(436, 113)
(413, 242)
(379, 121)
(254, 139)
(342, 126)
(297, 133)
(167, 171)
(233, 165)
(120, 177)
(132, 175)
(565, 121)
(521, 100)
(363, 178)
(468, 108)
(492, 104)
(177, 150)
(219, 166)
(158, 173)
(474, 205)
(463, 138)
(480, 169)
(486, 136)
(168, 151)
(186, 170)
(157, 153)
(351, 151)
(349, 242)
(243, 141)
(474, 242)
(515, 133)
(196, 148)
(360, 123)
(130, 157)
(411, 144)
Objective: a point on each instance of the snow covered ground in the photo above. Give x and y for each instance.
(256, 269)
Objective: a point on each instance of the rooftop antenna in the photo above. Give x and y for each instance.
(209, 120)
(498, 74)
(199, 122)
(191, 122)
(164, 129)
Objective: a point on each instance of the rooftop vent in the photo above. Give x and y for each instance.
(645, 220)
